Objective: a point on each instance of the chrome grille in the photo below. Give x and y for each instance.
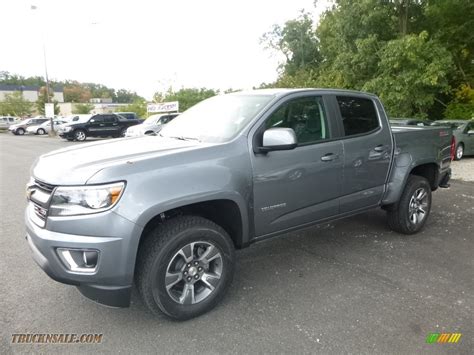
(44, 186)
(40, 195)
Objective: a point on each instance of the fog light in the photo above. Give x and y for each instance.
(79, 260)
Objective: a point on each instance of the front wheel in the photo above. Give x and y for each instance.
(459, 152)
(20, 132)
(185, 267)
(409, 214)
(41, 131)
(80, 135)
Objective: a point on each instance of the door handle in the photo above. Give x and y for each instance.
(329, 157)
(380, 148)
(101, 125)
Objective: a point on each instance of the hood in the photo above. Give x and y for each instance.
(76, 165)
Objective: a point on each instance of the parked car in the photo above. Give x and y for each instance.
(168, 211)
(7, 121)
(463, 132)
(98, 125)
(410, 122)
(152, 125)
(44, 128)
(20, 128)
(128, 115)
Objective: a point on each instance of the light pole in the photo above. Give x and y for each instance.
(52, 132)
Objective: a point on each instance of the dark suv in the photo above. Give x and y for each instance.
(99, 125)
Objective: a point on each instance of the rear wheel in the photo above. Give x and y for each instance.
(459, 152)
(185, 267)
(80, 135)
(409, 214)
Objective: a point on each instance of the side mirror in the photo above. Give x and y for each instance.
(278, 139)
(470, 132)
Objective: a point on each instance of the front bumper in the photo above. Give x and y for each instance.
(66, 135)
(112, 280)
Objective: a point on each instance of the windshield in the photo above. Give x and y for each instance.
(152, 120)
(217, 119)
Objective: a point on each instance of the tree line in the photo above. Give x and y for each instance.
(417, 55)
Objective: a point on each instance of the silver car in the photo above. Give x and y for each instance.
(44, 128)
(463, 132)
(151, 126)
(6, 121)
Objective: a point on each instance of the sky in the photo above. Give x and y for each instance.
(146, 45)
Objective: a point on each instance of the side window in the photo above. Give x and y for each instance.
(97, 119)
(305, 116)
(470, 127)
(109, 119)
(358, 115)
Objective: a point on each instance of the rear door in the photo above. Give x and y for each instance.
(367, 144)
(112, 125)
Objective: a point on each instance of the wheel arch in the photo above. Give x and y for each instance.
(225, 212)
(402, 170)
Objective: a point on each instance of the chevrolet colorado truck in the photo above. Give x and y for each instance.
(167, 212)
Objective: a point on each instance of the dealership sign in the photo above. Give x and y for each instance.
(172, 106)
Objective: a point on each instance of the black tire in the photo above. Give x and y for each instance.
(80, 135)
(159, 250)
(41, 131)
(400, 214)
(459, 153)
(20, 132)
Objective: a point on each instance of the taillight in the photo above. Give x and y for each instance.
(453, 148)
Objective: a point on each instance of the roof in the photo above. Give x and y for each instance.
(8, 87)
(285, 91)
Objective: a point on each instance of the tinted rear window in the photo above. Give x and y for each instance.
(358, 115)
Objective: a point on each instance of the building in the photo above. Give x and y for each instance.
(29, 92)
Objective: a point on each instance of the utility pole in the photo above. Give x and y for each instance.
(52, 132)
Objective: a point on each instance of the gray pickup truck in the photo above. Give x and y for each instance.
(167, 212)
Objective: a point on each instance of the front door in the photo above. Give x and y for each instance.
(298, 186)
(96, 126)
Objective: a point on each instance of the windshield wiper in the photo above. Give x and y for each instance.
(182, 138)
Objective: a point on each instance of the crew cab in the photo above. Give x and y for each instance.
(167, 212)
(98, 125)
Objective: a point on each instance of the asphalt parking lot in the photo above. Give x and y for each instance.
(347, 287)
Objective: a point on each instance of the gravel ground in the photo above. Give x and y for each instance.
(463, 169)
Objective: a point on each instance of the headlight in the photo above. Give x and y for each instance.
(77, 200)
(66, 129)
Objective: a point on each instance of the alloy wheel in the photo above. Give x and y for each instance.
(194, 272)
(459, 152)
(418, 206)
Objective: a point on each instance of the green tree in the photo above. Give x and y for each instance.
(15, 105)
(76, 92)
(43, 99)
(411, 72)
(82, 108)
(462, 106)
(138, 106)
(125, 96)
(297, 41)
(186, 97)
